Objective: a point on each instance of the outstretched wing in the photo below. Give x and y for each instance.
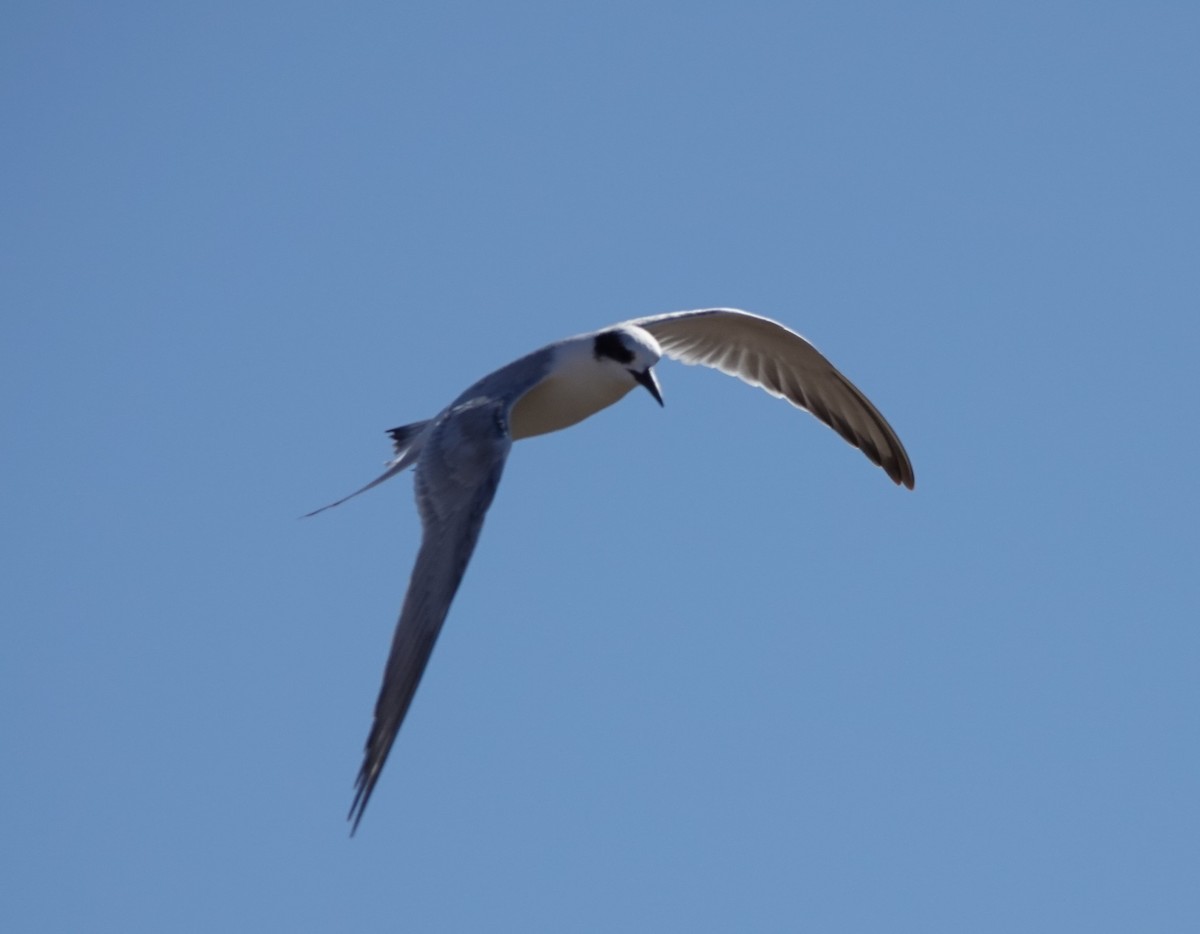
(764, 353)
(456, 477)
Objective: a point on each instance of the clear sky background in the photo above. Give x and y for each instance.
(709, 670)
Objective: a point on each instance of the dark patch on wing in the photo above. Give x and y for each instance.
(609, 344)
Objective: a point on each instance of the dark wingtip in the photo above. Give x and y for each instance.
(904, 474)
(362, 794)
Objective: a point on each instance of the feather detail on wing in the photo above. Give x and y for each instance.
(456, 478)
(764, 353)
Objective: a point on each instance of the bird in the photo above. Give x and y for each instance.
(459, 455)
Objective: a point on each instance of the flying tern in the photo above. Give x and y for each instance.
(459, 454)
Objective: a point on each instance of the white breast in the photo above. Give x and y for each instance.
(565, 399)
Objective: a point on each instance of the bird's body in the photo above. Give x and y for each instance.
(573, 388)
(459, 454)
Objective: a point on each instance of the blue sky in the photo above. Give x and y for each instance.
(709, 669)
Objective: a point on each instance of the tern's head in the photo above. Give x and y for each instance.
(633, 351)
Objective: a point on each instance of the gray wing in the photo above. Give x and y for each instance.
(456, 478)
(764, 353)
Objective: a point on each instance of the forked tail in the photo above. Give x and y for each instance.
(407, 442)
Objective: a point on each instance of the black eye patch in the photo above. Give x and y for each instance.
(609, 344)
